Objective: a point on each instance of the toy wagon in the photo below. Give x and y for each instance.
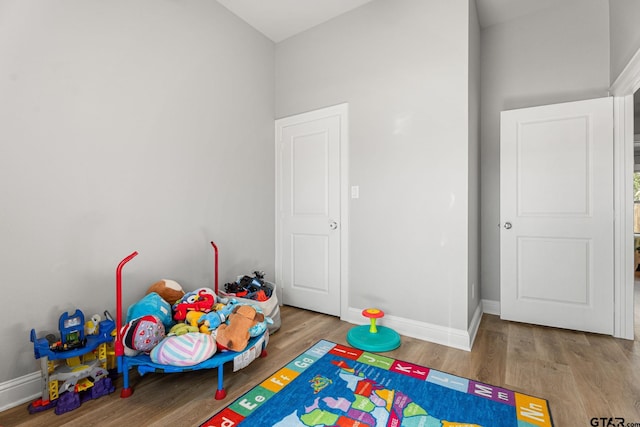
(256, 346)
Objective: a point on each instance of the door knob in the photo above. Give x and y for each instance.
(507, 225)
(333, 225)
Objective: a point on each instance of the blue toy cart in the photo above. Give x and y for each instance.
(255, 348)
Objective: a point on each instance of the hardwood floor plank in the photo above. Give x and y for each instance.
(606, 374)
(489, 357)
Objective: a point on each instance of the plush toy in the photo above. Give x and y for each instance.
(169, 290)
(202, 299)
(184, 350)
(214, 319)
(152, 304)
(260, 327)
(92, 326)
(234, 335)
(181, 329)
(207, 322)
(193, 317)
(141, 335)
(194, 320)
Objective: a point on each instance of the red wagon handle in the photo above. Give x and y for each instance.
(215, 266)
(118, 347)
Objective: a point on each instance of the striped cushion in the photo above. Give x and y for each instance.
(184, 350)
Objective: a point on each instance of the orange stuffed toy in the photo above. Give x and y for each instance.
(235, 335)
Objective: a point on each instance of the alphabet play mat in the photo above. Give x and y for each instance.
(334, 385)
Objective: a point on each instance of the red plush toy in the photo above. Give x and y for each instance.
(202, 299)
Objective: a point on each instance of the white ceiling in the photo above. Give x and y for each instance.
(280, 19)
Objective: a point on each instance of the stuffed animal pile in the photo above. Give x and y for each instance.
(184, 329)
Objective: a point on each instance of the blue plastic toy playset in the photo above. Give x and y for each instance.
(74, 366)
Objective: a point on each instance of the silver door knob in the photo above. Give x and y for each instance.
(507, 225)
(333, 225)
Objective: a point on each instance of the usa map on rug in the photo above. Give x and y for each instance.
(338, 386)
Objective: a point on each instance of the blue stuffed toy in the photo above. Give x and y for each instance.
(214, 319)
(260, 327)
(152, 305)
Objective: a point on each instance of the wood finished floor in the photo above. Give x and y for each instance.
(582, 375)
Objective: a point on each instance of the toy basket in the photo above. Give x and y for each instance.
(270, 307)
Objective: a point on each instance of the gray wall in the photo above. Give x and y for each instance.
(125, 126)
(403, 68)
(625, 33)
(556, 55)
(474, 159)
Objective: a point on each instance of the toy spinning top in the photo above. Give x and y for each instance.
(373, 337)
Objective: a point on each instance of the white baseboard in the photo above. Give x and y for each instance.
(20, 390)
(475, 324)
(491, 307)
(451, 337)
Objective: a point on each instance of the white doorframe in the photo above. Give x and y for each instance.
(341, 110)
(622, 89)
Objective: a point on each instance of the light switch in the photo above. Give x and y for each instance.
(355, 191)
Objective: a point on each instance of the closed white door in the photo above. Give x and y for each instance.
(309, 224)
(556, 215)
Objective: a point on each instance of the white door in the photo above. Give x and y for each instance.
(309, 224)
(556, 215)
